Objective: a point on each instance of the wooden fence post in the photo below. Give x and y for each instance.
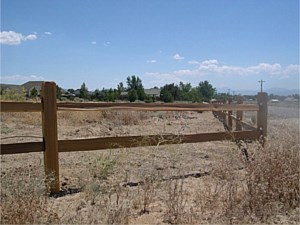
(49, 119)
(262, 114)
(224, 121)
(229, 117)
(239, 114)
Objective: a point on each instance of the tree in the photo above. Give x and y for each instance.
(206, 90)
(193, 95)
(169, 93)
(132, 95)
(72, 91)
(96, 94)
(135, 83)
(112, 94)
(185, 90)
(120, 88)
(33, 93)
(166, 96)
(83, 91)
(58, 92)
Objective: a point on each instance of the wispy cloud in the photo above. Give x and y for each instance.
(151, 61)
(178, 57)
(14, 38)
(47, 33)
(213, 68)
(18, 79)
(193, 62)
(106, 44)
(93, 42)
(160, 79)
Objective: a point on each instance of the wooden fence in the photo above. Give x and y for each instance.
(51, 146)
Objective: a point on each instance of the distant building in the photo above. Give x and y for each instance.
(30, 85)
(291, 99)
(274, 100)
(153, 92)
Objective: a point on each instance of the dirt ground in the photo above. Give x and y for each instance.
(145, 175)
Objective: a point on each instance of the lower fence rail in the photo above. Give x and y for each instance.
(128, 142)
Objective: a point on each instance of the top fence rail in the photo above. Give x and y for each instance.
(64, 106)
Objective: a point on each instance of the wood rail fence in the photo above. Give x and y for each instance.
(51, 146)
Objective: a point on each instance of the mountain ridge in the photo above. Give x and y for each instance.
(273, 90)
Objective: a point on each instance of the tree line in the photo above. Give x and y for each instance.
(134, 90)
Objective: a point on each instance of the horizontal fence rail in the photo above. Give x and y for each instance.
(17, 148)
(21, 107)
(126, 142)
(37, 107)
(51, 146)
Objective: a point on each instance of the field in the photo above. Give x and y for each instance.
(208, 182)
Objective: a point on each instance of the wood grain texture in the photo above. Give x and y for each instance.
(262, 114)
(239, 114)
(21, 107)
(126, 142)
(21, 148)
(151, 140)
(49, 118)
(154, 107)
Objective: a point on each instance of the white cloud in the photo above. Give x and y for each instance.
(10, 38)
(292, 69)
(151, 61)
(20, 78)
(213, 67)
(265, 67)
(178, 57)
(186, 72)
(93, 42)
(48, 33)
(30, 37)
(14, 38)
(160, 79)
(106, 44)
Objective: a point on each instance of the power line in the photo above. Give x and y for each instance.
(261, 85)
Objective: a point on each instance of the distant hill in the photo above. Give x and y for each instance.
(275, 91)
(282, 91)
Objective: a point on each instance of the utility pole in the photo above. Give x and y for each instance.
(261, 85)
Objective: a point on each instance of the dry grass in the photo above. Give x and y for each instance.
(32, 118)
(24, 199)
(235, 191)
(257, 190)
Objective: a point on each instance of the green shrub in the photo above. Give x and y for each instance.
(12, 95)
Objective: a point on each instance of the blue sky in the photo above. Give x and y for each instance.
(230, 43)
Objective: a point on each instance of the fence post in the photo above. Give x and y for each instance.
(224, 121)
(229, 116)
(262, 114)
(49, 121)
(239, 114)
